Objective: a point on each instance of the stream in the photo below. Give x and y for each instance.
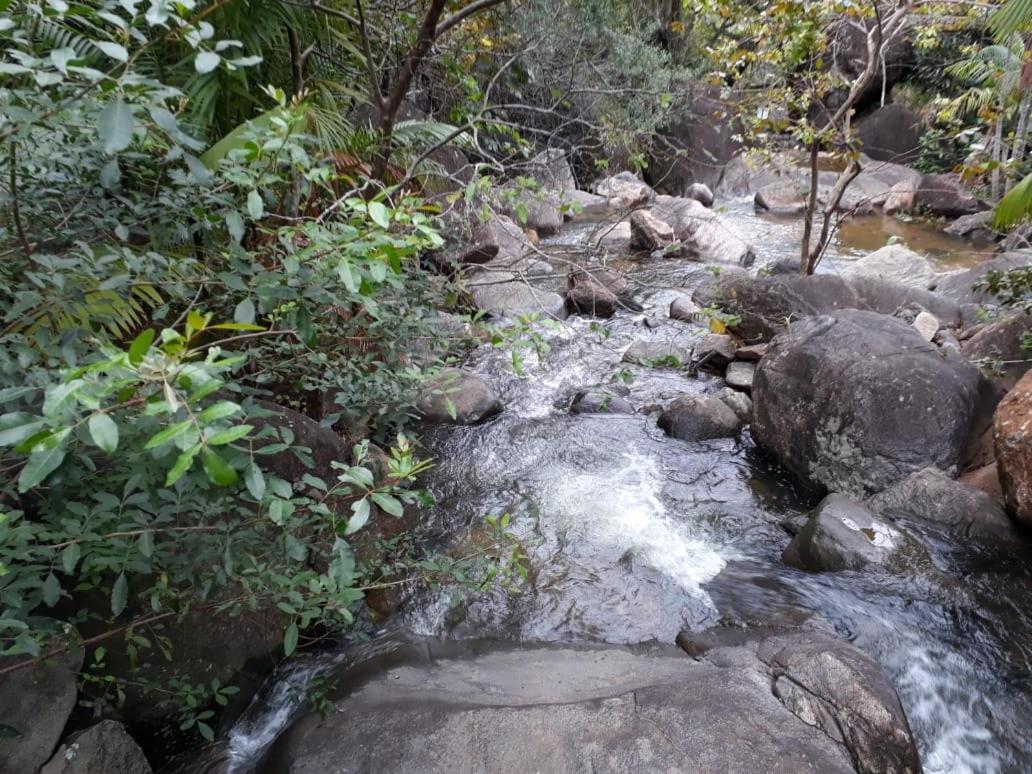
(633, 536)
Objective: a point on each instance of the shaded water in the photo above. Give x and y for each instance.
(633, 536)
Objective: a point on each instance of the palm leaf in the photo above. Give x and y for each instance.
(1013, 17)
(1015, 207)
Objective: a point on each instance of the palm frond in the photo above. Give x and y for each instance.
(1015, 207)
(1013, 17)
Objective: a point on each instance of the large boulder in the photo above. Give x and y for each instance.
(497, 238)
(802, 703)
(511, 294)
(891, 133)
(699, 418)
(696, 143)
(895, 263)
(582, 203)
(841, 534)
(536, 210)
(782, 197)
(842, 691)
(976, 227)
(322, 446)
(945, 196)
(704, 235)
(931, 496)
(849, 53)
(624, 191)
(701, 193)
(1013, 433)
(999, 346)
(854, 401)
(766, 305)
(649, 233)
(105, 748)
(459, 398)
(552, 171)
(35, 704)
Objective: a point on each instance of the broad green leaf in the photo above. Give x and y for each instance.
(182, 464)
(206, 61)
(290, 639)
(168, 434)
(255, 205)
(360, 511)
(219, 471)
(235, 225)
(16, 427)
(62, 56)
(110, 174)
(388, 503)
(104, 432)
(119, 595)
(244, 312)
(146, 543)
(115, 125)
(217, 411)
(70, 557)
(229, 435)
(254, 480)
(112, 49)
(40, 465)
(140, 345)
(342, 567)
(51, 590)
(379, 214)
(200, 172)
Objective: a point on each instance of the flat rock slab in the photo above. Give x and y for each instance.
(740, 375)
(564, 711)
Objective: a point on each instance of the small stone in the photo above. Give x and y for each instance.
(600, 401)
(592, 298)
(740, 375)
(649, 232)
(738, 402)
(714, 350)
(458, 398)
(684, 309)
(927, 325)
(657, 353)
(753, 352)
(699, 418)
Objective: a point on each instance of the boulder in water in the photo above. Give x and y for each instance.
(703, 234)
(738, 402)
(552, 171)
(932, 496)
(896, 263)
(855, 401)
(582, 203)
(792, 704)
(740, 375)
(891, 133)
(657, 353)
(841, 534)
(624, 191)
(649, 233)
(699, 418)
(714, 350)
(510, 294)
(1013, 432)
(684, 309)
(783, 197)
(591, 297)
(945, 196)
(105, 748)
(458, 398)
(601, 400)
(701, 193)
(498, 237)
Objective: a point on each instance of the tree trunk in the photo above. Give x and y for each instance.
(1020, 137)
(810, 210)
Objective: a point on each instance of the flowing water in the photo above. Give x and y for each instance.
(633, 536)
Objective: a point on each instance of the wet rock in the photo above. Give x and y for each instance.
(999, 345)
(105, 748)
(738, 402)
(841, 534)
(649, 233)
(901, 198)
(841, 690)
(764, 304)
(986, 479)
(458, 398)
(945, 339)
(975, 227)
(927, 325)
(701, 193)
(784, 197)
(601, 401)
(891, 133)
(714, 350)
(945, 196)
(753, 352)
(703, 234)
(616, 284)
(684, 309)
(895, 263)
(699, 418)
(740, 375)
(582, 203)
(35, 704)
(624, 191)
(614, 235)
(591, 297)
(960, 286)
(498, 237)
(854, 401)
(1020, 238)
(657, 353)
(540, 211)
(563, 711)
(1013, 432)
(507, 294)
(930, 495)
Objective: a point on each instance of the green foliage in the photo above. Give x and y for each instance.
(1015, 207)
(1012, 288)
